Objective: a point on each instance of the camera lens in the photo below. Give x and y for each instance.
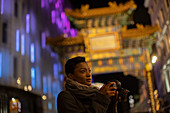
(122, 92)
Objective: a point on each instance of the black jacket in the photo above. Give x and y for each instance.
(69, 103)
(79, 98)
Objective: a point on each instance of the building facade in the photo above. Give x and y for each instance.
(30, 76)
(159, 11)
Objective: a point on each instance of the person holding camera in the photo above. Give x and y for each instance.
(80, 96)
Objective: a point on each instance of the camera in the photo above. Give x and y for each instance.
(122, 91)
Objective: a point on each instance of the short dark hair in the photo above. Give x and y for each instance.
(71, 64)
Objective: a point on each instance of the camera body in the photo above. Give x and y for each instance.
(122, 91)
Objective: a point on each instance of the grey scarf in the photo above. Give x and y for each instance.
(80, 90)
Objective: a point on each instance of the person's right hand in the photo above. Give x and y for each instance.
(109, 89)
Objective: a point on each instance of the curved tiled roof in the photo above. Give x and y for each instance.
(113, 8)
(139, 31)
(61, 41)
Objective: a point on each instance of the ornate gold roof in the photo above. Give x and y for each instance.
(139, 31)
(113, 8)
(62, 41)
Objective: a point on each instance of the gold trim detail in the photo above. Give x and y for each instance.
(61, 41)
(139, 31)
(89, 46)
(85, 12)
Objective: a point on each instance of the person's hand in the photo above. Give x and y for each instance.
(109, 90)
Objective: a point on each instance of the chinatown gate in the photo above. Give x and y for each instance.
(107, 44)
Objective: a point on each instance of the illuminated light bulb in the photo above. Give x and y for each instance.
(154, 59)
(19, 81)
(25, 88)
(44, 97)
(29, 88)
(13, 99)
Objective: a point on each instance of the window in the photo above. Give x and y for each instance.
(32, 53)
(45, 90)
(15, 65)
(49, 87)
(54, 88)
(28, 23)
(33, 77)
(17, 40)
(22, 44)
(4, 32)
(55, 71)
(2, 7)
(43, 40)
(16, 9)
(49, 105)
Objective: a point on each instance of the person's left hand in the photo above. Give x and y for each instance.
(109, 89)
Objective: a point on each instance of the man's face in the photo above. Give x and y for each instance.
(82, 74)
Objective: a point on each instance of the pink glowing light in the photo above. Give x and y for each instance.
(43, 40)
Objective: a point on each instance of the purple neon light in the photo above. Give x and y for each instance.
(0, 65)
(53, 16)
(22, 44)
(17, 40)
(59, 23)
(56, 5)
(64, 21)
(50, 1)
(63, 17)
(67, 26)
(52, 54)
(2, 7)
(43, 39)
(42, 3)
(28, 23)
(73, 32)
